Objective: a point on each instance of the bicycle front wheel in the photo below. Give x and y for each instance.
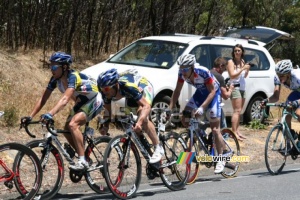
(19, 166)
(122, 167)
(194, 166)
(275, 150)
(95, 175)
(233, 149)
(173, 175)
(52, 165)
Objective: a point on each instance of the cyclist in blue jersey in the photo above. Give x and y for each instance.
(75, 86)
(139, 94)
(207, 97)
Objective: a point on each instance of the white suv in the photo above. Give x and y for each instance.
(155, 58)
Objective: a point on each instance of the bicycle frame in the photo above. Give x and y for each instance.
(9, 173)
(285, 128)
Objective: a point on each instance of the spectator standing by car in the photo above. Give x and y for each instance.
(207, 97)
(238, 70)
(220, 65)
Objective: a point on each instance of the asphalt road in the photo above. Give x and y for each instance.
(254, 184)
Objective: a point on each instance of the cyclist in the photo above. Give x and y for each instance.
(206, 98)
(289, 77)
(219, 67)
(138, 92)
(74, 86)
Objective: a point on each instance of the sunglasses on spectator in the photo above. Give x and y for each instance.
(107, 88)
(55, 67)
(184, 70)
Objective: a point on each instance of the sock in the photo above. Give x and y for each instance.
(81, 158)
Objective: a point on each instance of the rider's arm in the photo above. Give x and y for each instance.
(107, 116)
(176, 93)
(63, 101)
(41, 102)
(276, 94)
(211, 88)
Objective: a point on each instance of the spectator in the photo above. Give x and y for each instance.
(220, 65)
(238, 70)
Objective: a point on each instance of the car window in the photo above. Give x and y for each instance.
(150, 53)
(201, 53)
(253, 56)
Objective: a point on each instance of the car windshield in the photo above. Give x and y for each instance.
(150, 53)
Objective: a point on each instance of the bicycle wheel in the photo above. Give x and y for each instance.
(52, 165)
(94, 176)
(173, 175)
(275, 150)
(233, 149)
(19, 166)
(194, 166)
(122, 167)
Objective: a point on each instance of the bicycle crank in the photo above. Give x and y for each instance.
(76, 176)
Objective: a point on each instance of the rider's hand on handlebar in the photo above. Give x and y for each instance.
(46, 117)
(199, 111)
(263, 103)
(26, 119)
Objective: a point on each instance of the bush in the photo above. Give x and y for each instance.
(10, 116)
(256, 124)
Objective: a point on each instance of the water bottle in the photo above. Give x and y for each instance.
(90, 132)
(69, 150)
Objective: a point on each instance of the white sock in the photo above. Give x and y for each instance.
(81, 158)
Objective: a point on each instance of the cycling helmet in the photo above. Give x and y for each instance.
(284, 67)
(61, 58)
(186, 60)
(108, 78)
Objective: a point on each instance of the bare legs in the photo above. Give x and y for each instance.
(237, 105)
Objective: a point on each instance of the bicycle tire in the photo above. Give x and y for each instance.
(231, 167)
(122, 180)
(95, 178)
(275, 150)
(174, 176)
(53, 168)
(194, 166)
(26, 180)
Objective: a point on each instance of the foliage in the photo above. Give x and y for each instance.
(256, 124)
(94, 28)
(10, 116)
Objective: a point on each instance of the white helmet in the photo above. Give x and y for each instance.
(186, 60)
(284, 67)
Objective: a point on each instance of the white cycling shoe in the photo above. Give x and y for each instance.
(157, 155)
(219, 167)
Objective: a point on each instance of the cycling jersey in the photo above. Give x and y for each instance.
(276, 80)
(133, 87)
(295, 80)
(203, 76)
(88, 99)
(85, 87)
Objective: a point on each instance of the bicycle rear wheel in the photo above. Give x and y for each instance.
(95, 175)
(122, 167)
(23, 170)
(233, 149)
(275, 150)
(173, 175)
(52, 165)
(194, 166)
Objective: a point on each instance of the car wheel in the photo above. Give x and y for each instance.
(253, 111)
(161, 102)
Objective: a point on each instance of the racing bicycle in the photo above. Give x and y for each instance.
(281, 141)
(122, 167)
(19, 167)
(51, 152)
(203, 145)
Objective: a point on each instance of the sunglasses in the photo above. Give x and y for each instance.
(106, 88)
(184, 70)
(55, 67)
(281, 75)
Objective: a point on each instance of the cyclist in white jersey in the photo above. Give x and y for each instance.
(289, 77)
(206, 98)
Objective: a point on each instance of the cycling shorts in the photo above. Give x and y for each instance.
(293, 96)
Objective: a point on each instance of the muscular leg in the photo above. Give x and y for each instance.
(215, 128)
(76, 122)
